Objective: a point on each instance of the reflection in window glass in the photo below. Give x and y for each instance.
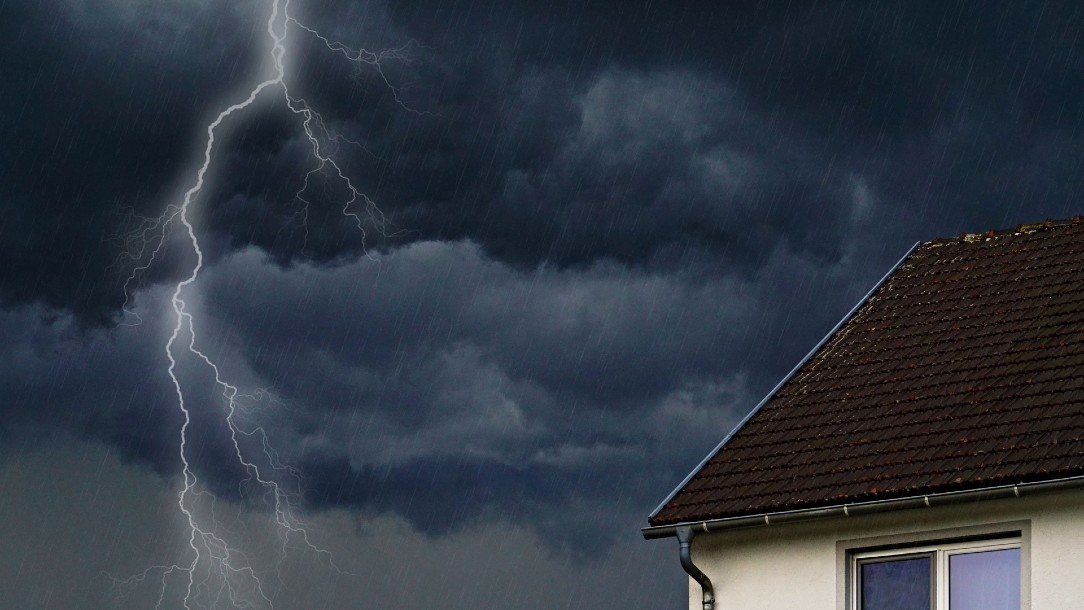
(989, 580)
(902, 584)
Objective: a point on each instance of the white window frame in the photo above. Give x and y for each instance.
(940, 554)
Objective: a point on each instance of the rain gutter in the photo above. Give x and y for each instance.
(858, 509)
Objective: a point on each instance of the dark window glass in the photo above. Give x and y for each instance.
(901, 584)
(988, 580)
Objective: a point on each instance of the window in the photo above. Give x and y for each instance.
(983, 575)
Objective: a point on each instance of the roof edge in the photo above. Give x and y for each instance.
(783, 381)
(869, 507)
(1032, 227)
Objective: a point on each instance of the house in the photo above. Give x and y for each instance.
(927, 454)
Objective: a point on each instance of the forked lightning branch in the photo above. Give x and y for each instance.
(216, 572)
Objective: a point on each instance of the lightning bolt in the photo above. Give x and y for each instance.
(218, 572)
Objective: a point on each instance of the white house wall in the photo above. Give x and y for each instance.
(801, 566)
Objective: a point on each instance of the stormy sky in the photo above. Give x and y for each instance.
(606, 229)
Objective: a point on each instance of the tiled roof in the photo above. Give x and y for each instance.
(964, 369)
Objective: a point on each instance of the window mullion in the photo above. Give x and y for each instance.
(940, 583)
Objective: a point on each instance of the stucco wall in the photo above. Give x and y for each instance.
(802, 566)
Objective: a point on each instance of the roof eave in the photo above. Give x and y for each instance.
(857, 509)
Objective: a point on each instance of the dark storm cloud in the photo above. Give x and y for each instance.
(429, 377)
(809, 95)
(101, 102)
(408, 316)
(541, 132)
(536, 165)
(60, 380)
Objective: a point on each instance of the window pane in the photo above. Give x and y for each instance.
(989, 580)
(903, 584)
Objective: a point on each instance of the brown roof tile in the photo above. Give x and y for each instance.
(964, 369)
